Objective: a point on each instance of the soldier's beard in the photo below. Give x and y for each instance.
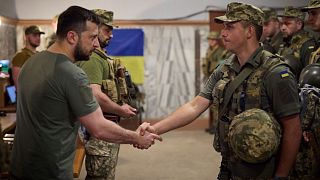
(79, 53)
(104, 43)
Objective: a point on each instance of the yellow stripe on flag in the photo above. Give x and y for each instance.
(135, 66)
(284, 75)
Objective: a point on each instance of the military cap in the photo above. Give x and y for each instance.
(214, 35)
(240, 11)
(106, 17)
(313, 4)
(32, 30)
(269, 14)
(254, 135)
(293, 13)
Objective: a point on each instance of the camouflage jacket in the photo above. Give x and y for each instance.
(212, 59)
(300, 46)
(246, 96)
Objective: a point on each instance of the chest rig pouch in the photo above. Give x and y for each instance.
(109, 85)
(232, 95)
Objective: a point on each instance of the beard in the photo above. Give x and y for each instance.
(104, 43)
(79, 54)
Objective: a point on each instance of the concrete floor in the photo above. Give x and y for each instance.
(183, 155)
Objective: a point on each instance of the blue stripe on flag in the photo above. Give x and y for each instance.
(126, 42)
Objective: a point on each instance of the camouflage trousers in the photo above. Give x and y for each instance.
(101, 159)
(303, 166)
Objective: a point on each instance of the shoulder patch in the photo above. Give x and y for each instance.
(284, 73)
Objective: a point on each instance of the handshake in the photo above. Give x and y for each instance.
(147, 136)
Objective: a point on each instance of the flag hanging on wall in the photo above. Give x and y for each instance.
(127, 45)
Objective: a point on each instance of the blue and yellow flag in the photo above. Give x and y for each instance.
(127, 45)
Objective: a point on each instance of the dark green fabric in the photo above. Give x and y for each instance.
(280, 93)
(97, 68)
(52, 93)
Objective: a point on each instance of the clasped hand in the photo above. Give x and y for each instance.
(147, 136)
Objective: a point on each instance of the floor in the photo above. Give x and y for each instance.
(183, 155)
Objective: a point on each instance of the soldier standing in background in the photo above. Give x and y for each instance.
(102, 156)
(252, 78)
(272, 36)
(214, 55)
(32, 35)
(52, 38)
(313, 10)
(298, 43)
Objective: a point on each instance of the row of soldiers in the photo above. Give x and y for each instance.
(299, 47)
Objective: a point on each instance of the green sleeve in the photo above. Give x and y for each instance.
(94, 69)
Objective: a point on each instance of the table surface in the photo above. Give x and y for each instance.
(8, 122)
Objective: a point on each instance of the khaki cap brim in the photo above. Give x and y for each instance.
(305, 9)
(222, 19)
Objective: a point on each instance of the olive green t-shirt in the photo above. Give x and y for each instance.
(20, 58)
(96, 68)
(280, 93)
(52, 94)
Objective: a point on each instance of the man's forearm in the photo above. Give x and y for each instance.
(290, 145)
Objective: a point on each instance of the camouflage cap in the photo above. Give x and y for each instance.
(269, 14)
(32, 30)
(106, 17)
(254, 135)
(240, 11)
(313, 4)
(293, 13)
(213, 35)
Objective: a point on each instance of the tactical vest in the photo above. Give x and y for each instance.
(295, 45)
(109, 85)
(246, 96)
(315, 56)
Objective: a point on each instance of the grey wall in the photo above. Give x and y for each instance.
(136, 9)
(8, 8)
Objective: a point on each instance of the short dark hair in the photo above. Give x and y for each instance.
(258, 28)
(74, 19)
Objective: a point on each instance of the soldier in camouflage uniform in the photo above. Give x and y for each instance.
(313, 10)
(214, 55)
(272, 36)
(297, 42)
(32, 35)
(101, 156)
(251, 78)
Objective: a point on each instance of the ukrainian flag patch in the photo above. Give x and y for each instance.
(284, 73)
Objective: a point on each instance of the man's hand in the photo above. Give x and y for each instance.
(145, 127)
(145, 141)
(127, 111)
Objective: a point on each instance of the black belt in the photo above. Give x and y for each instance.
(112, 117)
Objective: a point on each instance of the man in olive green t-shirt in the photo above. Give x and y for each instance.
(32, 34)
(54, 97)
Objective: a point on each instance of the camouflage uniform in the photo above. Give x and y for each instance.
(256, 91)
(315, 56)
(301, 43)
(272, 44)
(102, 156)
(214, 56)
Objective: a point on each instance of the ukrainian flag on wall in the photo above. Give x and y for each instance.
(127, 45)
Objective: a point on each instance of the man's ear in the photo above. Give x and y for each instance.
(250, 32)
(72, 37)
(299, 24)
